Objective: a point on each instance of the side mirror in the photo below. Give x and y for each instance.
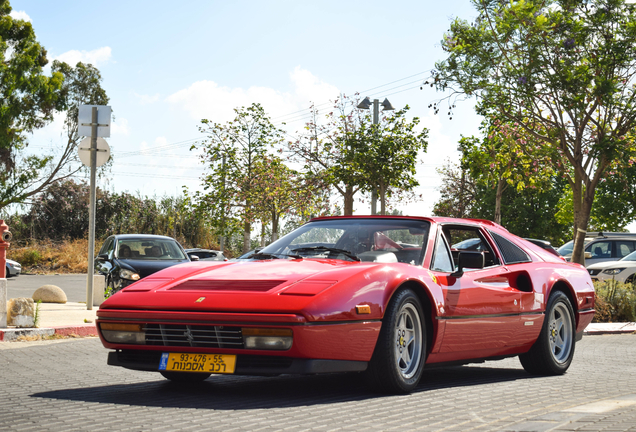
(469, 259)
(194, 258)
(587, 255)
(102, 257)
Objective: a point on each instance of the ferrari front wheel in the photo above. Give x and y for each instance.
(553, 351)
(185, 377)
(398, 360)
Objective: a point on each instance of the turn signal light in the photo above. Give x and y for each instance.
(123, 333)
(267, 338)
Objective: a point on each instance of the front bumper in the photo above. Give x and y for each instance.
(245, 364)
(217, 333)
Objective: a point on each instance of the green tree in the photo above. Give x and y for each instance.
(458, 193)
(327, 148)
(528, 212)
(26, 175)
(282, 192)
(352, 154)
(507, 156)
(385, 154)
(565, 65)
(231, 153)
(28, 96)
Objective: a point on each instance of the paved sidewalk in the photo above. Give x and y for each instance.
(68, 319)
(74, 319)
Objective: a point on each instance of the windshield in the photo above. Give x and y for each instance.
(374, 240)
(149, 249)
(630, 257)
(566, 249)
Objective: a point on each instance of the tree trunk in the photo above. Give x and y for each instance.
(275, 219)
(501, 187)
(348, 201)
(247, 232)
(382, 199)
(580, 220)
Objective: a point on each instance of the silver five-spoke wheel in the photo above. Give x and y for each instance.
(408, 340)
(553, 350)
(398, 360)
(560, 332)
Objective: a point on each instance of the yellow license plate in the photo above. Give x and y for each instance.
(206, 363)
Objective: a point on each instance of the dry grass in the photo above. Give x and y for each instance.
(47, 257)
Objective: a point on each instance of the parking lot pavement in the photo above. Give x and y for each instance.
(73, 285)
(66, 385)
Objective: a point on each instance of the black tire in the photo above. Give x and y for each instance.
(185, 377)
(6, 274)
(553, 351)
(397, 362)
(110, 287)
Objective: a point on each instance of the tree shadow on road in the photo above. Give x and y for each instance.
(222, 392)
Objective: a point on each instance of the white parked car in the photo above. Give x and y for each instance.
(13, 268)
(622, 270)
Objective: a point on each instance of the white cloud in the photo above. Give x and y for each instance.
(119, 127)
(20, 15)
(209, 100)
(147, 99)
(95, 57)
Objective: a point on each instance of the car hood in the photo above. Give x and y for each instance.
(611, 264)
(270, 286)
(147, 267)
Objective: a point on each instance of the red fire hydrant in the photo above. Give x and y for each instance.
(5, 238)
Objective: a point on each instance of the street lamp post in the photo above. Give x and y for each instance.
(366, 104)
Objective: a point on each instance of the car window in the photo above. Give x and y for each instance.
(396, 240)
(442, 261)
(150, 249)
(624, 248)
(601, 249)
(463, 238)
(107, 247)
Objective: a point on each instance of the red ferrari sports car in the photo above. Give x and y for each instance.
(385, 295)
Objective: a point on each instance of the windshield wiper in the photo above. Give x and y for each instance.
(265, 255)
(347, 253)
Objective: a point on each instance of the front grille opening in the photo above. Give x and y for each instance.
(202, 336)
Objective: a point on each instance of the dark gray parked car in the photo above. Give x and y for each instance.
(126, 258)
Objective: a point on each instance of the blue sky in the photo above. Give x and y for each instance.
(166, 65)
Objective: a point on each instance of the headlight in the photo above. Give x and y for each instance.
(267, 339)
(613, 271)
(123, 333)
(130, 275)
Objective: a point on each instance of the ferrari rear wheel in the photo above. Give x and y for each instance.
(185, 377)
(398, 359)
(553, 351)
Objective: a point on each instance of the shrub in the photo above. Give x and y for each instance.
(615, 302)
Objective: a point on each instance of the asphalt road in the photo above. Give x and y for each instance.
(24, 285)
(66, 385)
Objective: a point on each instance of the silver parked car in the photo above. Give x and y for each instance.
(13, 268)
(601, 247)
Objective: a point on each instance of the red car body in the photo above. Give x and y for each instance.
(335, 308)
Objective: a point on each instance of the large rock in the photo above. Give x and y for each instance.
(49, 294)
(21, 312)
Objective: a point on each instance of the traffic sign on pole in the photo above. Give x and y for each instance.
(94, 121)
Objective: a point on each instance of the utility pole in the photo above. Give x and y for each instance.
(366, 104)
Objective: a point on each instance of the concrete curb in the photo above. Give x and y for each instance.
(13, 334)
(610, 328)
